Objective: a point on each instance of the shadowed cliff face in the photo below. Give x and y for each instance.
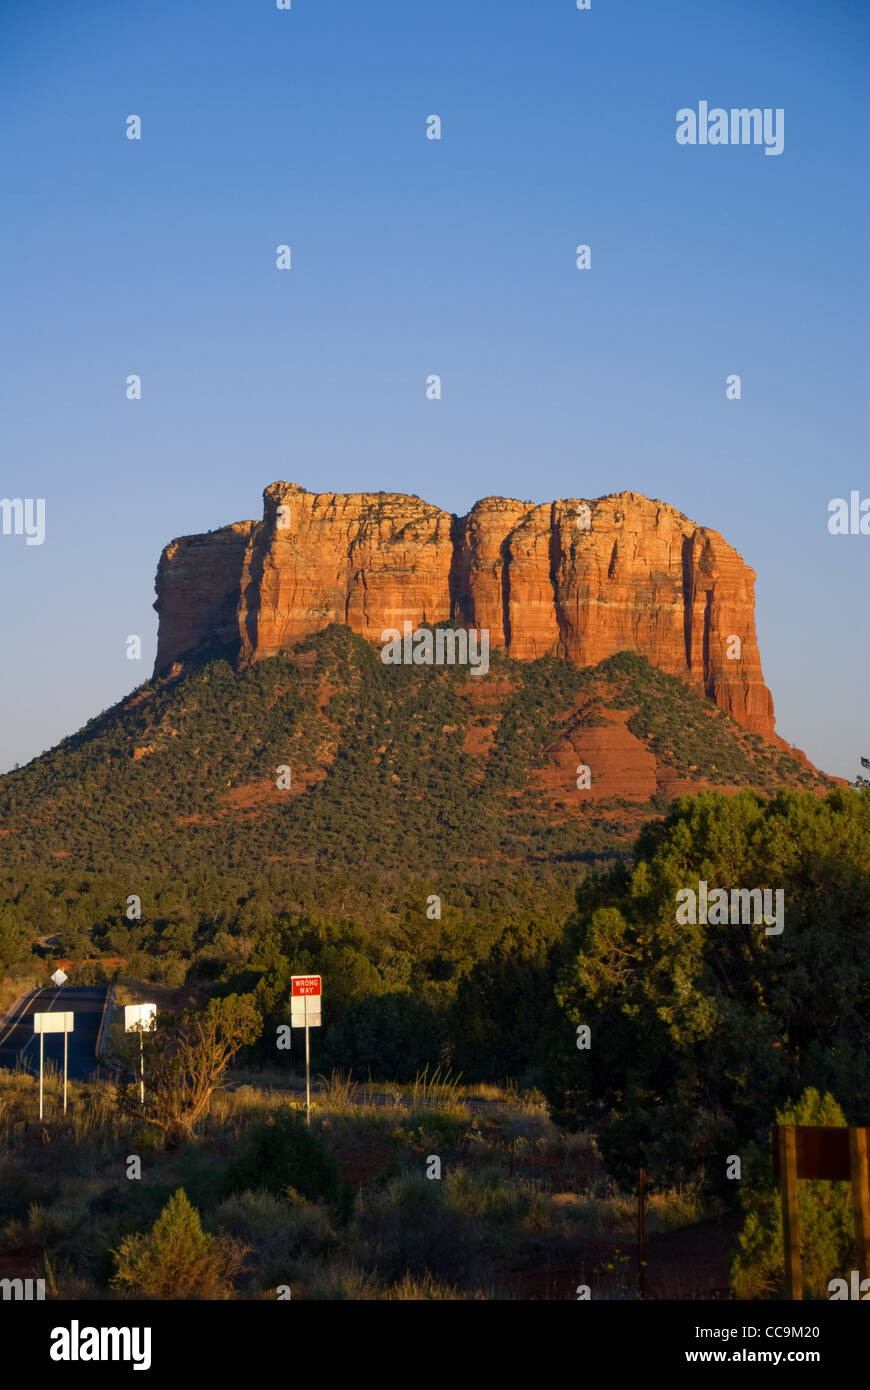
(578, 579)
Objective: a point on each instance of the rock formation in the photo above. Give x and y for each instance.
(579, 579)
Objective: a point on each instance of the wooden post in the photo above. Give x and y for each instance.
(860, 1164)
(788, 1187)
(641, 1234)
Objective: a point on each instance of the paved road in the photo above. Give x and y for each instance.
(19, 1045)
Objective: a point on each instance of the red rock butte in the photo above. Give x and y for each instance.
(579, 578)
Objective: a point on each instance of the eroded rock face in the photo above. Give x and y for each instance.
(578, 579)
(198, 586)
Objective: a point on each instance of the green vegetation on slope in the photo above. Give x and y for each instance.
(157, 836)
(693, 735)
(182, 774)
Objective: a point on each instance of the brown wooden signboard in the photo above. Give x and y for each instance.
(821, 1153)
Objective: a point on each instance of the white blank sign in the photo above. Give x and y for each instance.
(298, 1015)
(53, 1023)
(138, 1016)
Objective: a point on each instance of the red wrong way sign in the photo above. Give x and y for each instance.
(305, 1006)
(305, 984)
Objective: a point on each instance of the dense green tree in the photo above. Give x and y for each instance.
(699, 1032)
(495, 1022)
(392, 1036)
(15, 939)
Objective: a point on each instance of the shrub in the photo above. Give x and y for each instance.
(409, 1229)
(187, 1057)
(276, 1228)
(177, 1258)
(824, 1213)
(281, 1153)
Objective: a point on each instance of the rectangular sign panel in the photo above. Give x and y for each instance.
(822, 1152)
(138, 1016)
(53, 1023)
(304, 1011)
(304, 984)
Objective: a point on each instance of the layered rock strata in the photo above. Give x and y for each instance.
(577, 578)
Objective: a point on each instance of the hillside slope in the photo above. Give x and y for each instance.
(394, 766)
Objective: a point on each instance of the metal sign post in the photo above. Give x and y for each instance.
(52, 1023)
(306, 996)
(307, 1070)
(140, 1018)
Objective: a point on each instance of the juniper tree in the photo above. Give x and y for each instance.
(177, 1258)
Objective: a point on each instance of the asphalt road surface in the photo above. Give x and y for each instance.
(19, 1045)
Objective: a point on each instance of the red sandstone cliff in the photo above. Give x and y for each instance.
(634, 575)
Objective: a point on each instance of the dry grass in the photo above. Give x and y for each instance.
(439, 1088)
(11, 989)
(514, 1194)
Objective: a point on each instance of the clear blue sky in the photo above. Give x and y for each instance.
(412, 257)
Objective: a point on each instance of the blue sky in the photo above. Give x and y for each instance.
(411, 257)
